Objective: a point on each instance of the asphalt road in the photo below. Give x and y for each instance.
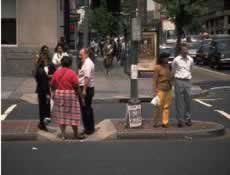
(205, 109)
(203, 157)
(184, 157)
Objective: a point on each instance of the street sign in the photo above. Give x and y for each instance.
(134, 115)
(134, 71)
(136, 29)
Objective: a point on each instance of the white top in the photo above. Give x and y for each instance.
(87, 70)
(57, 58)
(46, 69)
(182, 67)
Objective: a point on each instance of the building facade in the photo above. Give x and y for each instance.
(26, 26)
(217, 19)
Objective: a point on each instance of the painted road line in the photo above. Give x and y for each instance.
(212, 71)
(203, 103)
(208, 99)
(8, 111)
(223, 113)
(220, 87)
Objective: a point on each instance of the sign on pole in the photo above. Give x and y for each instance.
(136, 29)
(134, 71)
(134, 115)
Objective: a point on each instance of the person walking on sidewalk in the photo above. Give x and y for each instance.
(43, 75)
(182, 72)
(66, 109)
(87, 83)
(163, 89)
(108, 56)
(58, 55)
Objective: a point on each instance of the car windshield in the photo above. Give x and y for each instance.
(195, 45)
(167, 50)
(223, 45)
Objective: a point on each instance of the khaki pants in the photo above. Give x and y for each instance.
(164, 108)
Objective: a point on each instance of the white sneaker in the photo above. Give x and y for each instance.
(47, 120)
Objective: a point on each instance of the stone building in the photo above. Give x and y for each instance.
(217, 19)
(26, 26)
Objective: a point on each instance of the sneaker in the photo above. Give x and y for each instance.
(47, 120)
(42, 127)
(179, 124)
(164, 125)
(80, 137)
(188, 122)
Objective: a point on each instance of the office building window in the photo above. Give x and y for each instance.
(8, 21)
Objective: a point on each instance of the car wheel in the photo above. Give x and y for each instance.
(219, 66)
(212, 63)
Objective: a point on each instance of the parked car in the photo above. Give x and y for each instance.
(202, 55)
(219, 54)
(206, 41)
(193, 47)
(170, 50)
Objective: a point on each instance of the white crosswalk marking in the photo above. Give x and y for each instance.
(203, 103)
(8, 111)
(223, 113)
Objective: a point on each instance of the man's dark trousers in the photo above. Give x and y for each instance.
(87, 111)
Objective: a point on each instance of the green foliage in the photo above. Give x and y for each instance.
(101, 20)
(184, 13)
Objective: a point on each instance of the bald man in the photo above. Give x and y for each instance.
(87, 83)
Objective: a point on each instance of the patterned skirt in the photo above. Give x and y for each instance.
(66, 108)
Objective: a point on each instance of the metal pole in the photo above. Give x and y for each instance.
(134, 116)
(86, 25)
(134, 61)
(134, 83)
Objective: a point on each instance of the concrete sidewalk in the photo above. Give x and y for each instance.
(112, 88)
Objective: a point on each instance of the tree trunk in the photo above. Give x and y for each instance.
(179, 31)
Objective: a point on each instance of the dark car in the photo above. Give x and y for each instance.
(193, 47)
(170, 51)
(219, 54)
(202, 54)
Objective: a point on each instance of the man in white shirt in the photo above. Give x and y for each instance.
(87, 83)
(182, 72)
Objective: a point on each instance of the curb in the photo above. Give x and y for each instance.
(217, 130)
(19, 130)
(19, 137)
(143, 99)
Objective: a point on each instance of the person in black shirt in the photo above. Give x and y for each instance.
(43, 75)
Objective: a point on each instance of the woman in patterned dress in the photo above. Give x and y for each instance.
(66, 109)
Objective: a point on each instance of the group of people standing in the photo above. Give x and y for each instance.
(181, 73)
(71, 92)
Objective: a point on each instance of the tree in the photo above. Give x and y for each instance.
(103, 21)
(183, 12)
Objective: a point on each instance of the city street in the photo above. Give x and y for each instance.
(183, 156)
(201, 157)
(125, 56)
